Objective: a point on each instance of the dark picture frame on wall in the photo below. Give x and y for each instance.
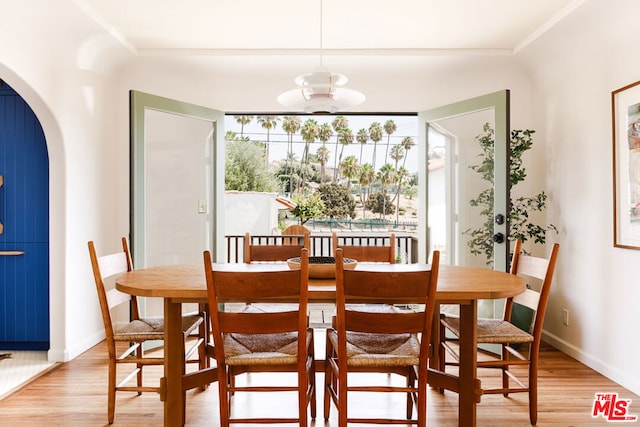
(625, 115)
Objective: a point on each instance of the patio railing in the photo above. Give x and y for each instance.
(406, 245)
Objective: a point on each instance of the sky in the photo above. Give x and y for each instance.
(406, 126)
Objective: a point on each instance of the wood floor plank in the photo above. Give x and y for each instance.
(75, 395)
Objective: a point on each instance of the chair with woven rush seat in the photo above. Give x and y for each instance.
(134, 333)
(365, 253)
(273, 248)
(253, 340)
(518, 346)
(381, 338)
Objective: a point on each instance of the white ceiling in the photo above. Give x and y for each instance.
(293, 26)
(271, 42)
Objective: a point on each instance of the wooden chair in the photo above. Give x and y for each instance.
(366, 252)
(256, 341)
(523, 345)
(137, 331)
(384, 340)
(273, 248)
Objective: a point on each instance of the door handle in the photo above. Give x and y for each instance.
(498, 237)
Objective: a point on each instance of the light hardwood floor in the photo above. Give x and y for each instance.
(75, 395)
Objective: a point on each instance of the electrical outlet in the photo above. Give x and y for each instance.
(565, 317)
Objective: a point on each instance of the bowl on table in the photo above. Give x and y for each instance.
(321, 267)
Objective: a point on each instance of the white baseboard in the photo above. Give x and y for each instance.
(65, 355)
(592, 362)
(55, 355)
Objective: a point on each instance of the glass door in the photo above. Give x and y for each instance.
(177, 185)
(449, 144)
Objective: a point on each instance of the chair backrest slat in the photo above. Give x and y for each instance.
(274, 248)
(394, 287)
(115, 298)
(266, 286)
(384, 323)
(366, 253)
(112, 264)
(532, 266)
(271, 322)
(529, 298)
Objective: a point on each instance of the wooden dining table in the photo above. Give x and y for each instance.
(178, 284)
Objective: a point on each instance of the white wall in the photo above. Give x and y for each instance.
(574, 68)
(60, 62)
(249, 212)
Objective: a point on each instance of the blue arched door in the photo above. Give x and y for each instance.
(24, 215)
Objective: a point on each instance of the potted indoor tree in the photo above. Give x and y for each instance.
(521, 225)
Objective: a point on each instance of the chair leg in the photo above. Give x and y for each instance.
(504, 369)
(422, 399)
(302, 399)
(203, 333)
(139, 355)
(328, 378)
(311, 382)
(184, 407)
(231, 381)
(111, 404)
(410, 384)
(342, 398)
(442, 354)
(533, 390)
(223, 396)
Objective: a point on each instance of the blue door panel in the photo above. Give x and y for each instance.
(24, 212)
(26, 305)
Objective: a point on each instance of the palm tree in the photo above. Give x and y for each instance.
(243, 120)
(375, 134)
(290, 171)
(367, 176)
(411, 191)
(401, 174)
(397, 153)
(387, 176)
(323, 156)
(291, 125)
(309, 132)
(349, 168)
(324, 134)
(338, 124)
(268, 123)
(362, 137)
(345, 136)
(389, 128)
(407, 143)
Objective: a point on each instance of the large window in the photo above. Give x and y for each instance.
(373, 158)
